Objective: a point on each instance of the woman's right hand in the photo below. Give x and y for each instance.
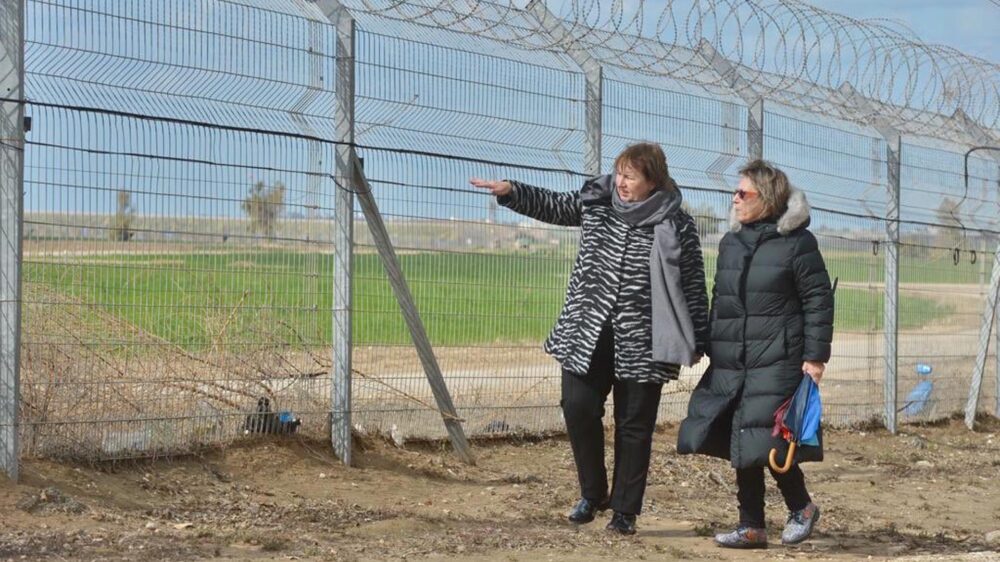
(814, 369)
(497, 188)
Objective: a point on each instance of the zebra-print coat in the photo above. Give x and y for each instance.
(610, 281)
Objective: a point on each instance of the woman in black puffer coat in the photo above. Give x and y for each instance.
(771, 321)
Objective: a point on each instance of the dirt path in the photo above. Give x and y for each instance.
(882, 496)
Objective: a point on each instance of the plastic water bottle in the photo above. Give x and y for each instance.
(920, 397)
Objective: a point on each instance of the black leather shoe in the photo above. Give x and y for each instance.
(623, 523)
(585, 509)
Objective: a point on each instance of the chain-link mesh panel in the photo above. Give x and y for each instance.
(177, 267)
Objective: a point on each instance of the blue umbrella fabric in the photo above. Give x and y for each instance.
(797, 421)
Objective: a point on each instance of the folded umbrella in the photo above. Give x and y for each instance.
(797, 421)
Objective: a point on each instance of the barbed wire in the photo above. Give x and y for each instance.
(786, 50)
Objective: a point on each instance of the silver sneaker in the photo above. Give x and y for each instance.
(743, 537)
(800, 524)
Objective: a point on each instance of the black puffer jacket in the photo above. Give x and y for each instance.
(772, 309)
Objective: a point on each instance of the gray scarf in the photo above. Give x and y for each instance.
(673, 330)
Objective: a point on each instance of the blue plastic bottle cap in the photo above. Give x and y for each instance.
(924, 369)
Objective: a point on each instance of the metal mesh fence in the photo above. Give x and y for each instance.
(842, 167)
(945, 264)
(177, 270)
(179, 223)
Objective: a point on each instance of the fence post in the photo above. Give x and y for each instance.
(730, 75)
(755, 129)
(11, 225)
(343, 240)
(594, 89)
(352, 181)
(991, 315)
(373, 217)
(594, 110)
(890, 308)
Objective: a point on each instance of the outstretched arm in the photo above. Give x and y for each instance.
(540, 204)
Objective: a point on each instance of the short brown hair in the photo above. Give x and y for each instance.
(772, 184)
(648, 159)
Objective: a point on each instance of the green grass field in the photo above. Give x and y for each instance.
(464, 299)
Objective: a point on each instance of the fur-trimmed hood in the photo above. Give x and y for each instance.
(795, 216)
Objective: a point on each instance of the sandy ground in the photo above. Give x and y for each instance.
(928, 493)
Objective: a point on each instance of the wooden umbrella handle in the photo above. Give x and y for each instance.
(788, 459)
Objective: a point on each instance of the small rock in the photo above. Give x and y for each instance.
(182, 526)
(322, 475)
(924, 464)
(993, 537)
(151, 526)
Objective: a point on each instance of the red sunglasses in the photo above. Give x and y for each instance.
(743, 194)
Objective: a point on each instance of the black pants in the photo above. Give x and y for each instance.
(636, 406)
(750, 493)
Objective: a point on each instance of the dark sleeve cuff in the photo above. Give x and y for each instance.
(820, 353)
(511, 198)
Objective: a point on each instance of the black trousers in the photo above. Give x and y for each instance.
(750, 492)
(635, 409)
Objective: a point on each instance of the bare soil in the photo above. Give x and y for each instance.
(928, 493)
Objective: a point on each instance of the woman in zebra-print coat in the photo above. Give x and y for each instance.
(636, 309)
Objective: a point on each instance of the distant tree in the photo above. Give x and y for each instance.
(263, 206)
(949, 231)
(121, 223)
(705, 218)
